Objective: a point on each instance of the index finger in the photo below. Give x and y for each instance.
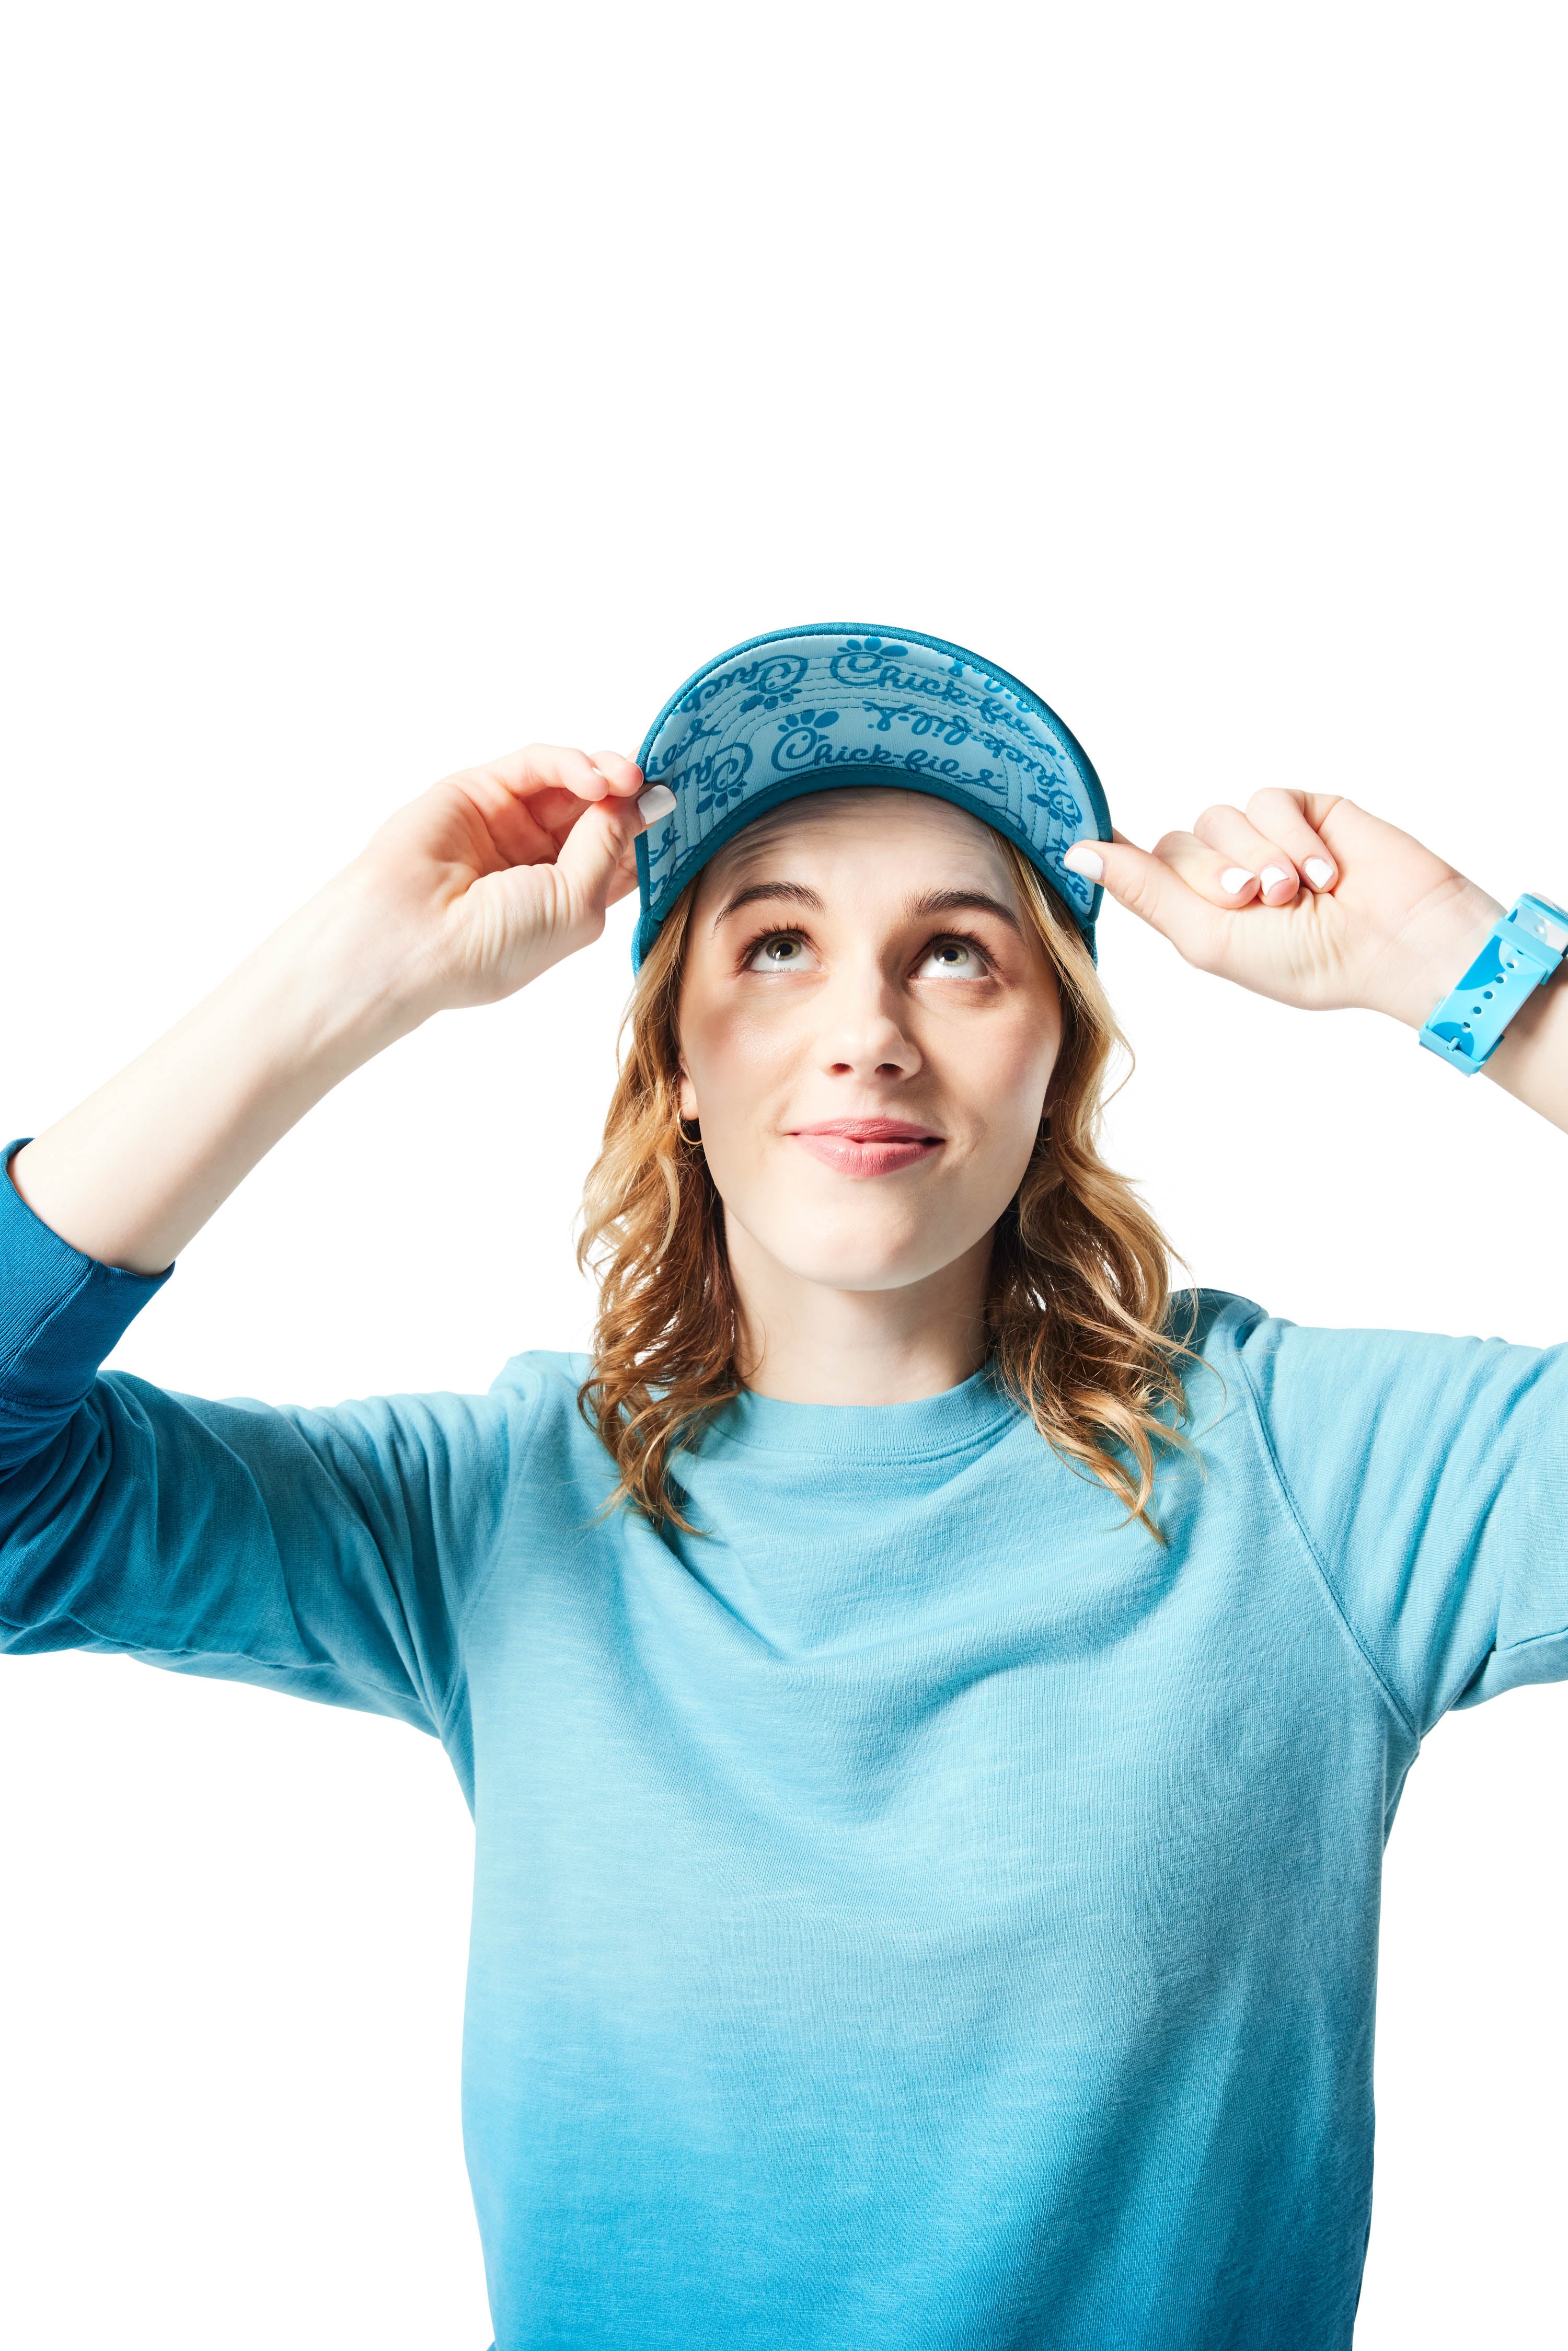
(542, 767)
(622, 775)
(548, 785)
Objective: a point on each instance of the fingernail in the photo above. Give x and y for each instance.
(1318, 872)
(1234, 878)
(1270, 875)
(655, 803)
(1081, 859)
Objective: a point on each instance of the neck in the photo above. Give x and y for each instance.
(806, 1342)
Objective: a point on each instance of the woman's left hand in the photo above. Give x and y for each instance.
(1304, 897)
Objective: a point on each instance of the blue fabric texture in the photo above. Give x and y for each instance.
(838, 703)
(918, 1911)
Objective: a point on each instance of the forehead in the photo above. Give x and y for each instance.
(909, 832)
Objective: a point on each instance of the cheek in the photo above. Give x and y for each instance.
(737, 1063)
(1001, 1075)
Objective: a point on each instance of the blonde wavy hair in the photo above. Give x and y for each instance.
(1079, 1294)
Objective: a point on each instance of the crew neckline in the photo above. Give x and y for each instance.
(944, 1422)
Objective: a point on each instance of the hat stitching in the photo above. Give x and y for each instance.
(1027, 728)
(1042, 764)
(1035, 782)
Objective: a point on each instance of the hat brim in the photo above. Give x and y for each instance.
(835, 703)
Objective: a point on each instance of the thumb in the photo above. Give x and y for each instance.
(587, 859)
(1149, 888)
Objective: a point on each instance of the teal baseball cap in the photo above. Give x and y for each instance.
(841, 702)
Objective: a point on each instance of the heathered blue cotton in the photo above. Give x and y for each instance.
(923, 1915)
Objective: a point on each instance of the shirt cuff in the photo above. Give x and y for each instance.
(61, 1312)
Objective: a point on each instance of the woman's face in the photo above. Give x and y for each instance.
(868, 1027)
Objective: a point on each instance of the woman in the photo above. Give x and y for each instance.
(932, 1703)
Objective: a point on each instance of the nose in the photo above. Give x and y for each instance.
(863, 1033)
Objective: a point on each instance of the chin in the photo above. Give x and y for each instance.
(861, 1253)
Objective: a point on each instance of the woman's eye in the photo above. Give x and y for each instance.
(782, 951)
(951, 959)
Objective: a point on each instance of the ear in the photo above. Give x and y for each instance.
(687, 1095)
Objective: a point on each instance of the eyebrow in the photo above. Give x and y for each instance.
(795, 892)
(965, 902)
(929, 902)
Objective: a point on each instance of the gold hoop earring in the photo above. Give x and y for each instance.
(692, 1141)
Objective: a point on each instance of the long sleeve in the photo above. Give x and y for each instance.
(325, 1553)
(1428, 1477)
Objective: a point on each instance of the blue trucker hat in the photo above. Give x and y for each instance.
(841, 702)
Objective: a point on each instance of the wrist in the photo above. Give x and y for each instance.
(340, 981)
(134, 1172)
(1432, 952)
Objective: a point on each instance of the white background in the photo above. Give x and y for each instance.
(390, 386)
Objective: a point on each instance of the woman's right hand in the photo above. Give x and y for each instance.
(497, 872)
(476, 887)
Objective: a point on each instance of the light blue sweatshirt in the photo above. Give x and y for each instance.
(920, 1915)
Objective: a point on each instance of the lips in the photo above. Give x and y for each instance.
(868, 1146)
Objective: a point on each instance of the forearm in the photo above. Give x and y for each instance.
(1532, 1058)
(132, 1172)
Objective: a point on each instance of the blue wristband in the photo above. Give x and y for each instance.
(1523, 947)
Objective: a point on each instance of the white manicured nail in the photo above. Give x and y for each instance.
(655, 803)
(1234, 878)
(1270, 874)
(1317, 872)
(1080, 859)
